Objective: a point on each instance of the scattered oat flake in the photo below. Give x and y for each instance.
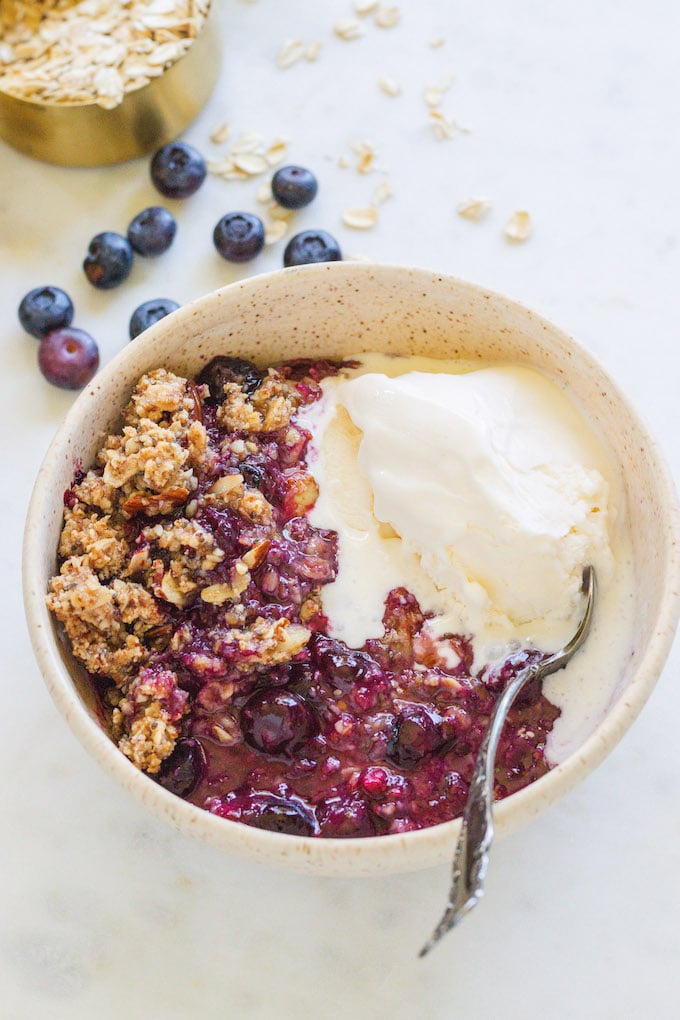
(382, 192)
(518, 227)
(348, 29)
(249, 141)
(366, 155)
(343, 162)
(473, 208)
(434, 44)
(264, 193)
(360, 219)
(313, 50)
(363, 7)
(251, 163)
(387, 17)
(443, 127)
(274, 231)
(276, 152)
(289, 54)
(277, 212)
(390, 87)
(220, 133)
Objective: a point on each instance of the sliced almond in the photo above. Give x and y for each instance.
(226, 484)
(171, 593)
(473, 208)
(518, 227)
(360, 219)
(257, 555)
(153, 500)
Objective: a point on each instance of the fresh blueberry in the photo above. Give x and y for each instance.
(148, 313)
(178, 170)
(224, 369)
(44, 309)
(239, 237)
(183, 770)
(68, 358)
(311, 246)
(109, 260)
(152, 231)
(275, 721)
(294, 187)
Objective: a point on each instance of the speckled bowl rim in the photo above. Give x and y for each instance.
(368, 855)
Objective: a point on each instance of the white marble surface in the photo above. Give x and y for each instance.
(107, 912)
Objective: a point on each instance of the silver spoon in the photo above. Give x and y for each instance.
(476, 835)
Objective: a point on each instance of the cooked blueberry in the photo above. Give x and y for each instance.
(341, 665)
(109, 260)
(183, 770)
(239, 236)
(149, 312)
(294, 187)
(275, 721)
(265, 810)
(178, 170)
(415, 734)
(282, 816)
(223, 369)
(344, 816)
(44, 309)
(68, 358)
(311, 246)
(152, 231)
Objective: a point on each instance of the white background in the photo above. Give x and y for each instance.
(106, 912)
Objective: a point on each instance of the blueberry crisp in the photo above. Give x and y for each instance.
(190, 588)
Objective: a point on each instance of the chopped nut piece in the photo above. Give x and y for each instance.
(518, 227)
(360, 219)
(474, 208)
(257, 555)
(226, 484)
(390, 87)
(155, 501)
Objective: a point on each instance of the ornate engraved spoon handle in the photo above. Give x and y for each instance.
(476, 835)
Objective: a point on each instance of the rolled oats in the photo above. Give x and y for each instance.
(518, 227)
(474, 208)
(65, 53)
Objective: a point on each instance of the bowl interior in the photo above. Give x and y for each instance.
(335, 310)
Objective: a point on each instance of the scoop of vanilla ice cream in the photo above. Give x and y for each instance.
(484, 493)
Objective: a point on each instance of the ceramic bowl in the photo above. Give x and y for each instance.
(333, 310)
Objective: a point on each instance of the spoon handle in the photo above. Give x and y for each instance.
(476, 835)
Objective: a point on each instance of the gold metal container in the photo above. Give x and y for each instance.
(85, 134)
